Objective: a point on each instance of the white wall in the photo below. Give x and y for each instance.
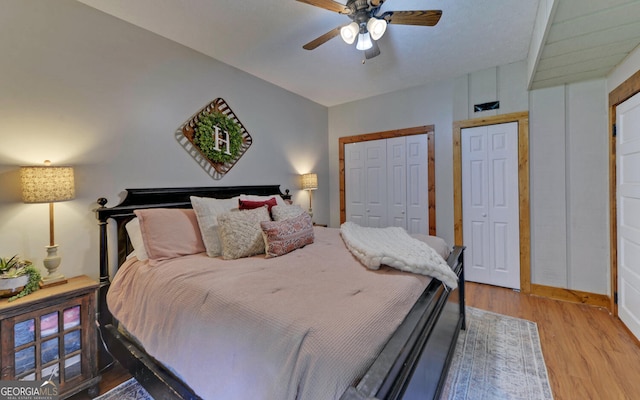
(568, 161)
(629, 66)
(83, 88)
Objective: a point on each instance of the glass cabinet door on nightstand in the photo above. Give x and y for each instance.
(49, 345)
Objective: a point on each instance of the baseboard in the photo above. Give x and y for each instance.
(574, 296)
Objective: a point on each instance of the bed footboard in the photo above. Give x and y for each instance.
(415, 361)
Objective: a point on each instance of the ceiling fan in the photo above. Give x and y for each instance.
(368, 26)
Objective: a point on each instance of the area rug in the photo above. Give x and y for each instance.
(497, 358)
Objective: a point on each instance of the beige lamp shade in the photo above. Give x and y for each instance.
(309, 182)
(47, 184)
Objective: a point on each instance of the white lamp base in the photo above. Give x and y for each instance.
(51, 263)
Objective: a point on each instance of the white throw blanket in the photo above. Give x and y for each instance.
(394, 247)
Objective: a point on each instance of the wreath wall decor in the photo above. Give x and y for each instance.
(215, 138)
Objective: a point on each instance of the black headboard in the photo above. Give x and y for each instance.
(160, 198)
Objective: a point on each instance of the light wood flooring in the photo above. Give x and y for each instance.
(589, 354)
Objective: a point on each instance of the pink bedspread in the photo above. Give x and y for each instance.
(302, 326)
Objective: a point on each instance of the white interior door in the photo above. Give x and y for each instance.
(490, 211)
(628, 212)
(397, 182)
(417, 198)
(355, 183)
(376, 185)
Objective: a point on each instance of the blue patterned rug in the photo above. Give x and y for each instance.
(497, 358)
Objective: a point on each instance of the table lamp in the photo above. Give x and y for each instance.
(47, 184)
(309, 183)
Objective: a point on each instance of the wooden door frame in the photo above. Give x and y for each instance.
(429, 130)
(522, 118)
(617, 96)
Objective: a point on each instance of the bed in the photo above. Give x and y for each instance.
(408, 358)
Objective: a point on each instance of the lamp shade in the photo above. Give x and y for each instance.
(364, 41)
(45, 184)
(349, 33)
(309, 181)
(376, 27)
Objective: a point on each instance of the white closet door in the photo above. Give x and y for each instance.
(490, 204)
(354, 177)
(628, 212)
(397, 182)
(417, 156)
(376, 183)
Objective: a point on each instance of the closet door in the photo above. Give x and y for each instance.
(490, 204)
(354, 179)
(417, 183)
(376, 183)
(397, 182)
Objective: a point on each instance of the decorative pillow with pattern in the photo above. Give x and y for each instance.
(240, 232)
(285, 236)
(207, 210)
(280, 213)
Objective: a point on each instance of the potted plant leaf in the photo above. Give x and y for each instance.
(18, 277)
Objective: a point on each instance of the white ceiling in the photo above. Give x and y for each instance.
(265, 39)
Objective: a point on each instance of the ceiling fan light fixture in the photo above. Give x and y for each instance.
(349, 32)
(376, 27)
(364, 41)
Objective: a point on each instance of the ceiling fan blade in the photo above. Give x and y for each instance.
(423, 18)
(327, 5)
(322, 39)
(376, 3)
(372, 52)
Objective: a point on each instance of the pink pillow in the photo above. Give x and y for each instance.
(282, 237)
(250, 205)
(170, 232)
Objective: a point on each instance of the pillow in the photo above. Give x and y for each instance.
(207, 210)
(285, 212)
(282, 237)
(252, 197)
(250, 204)
(240, 232)
(135, 236)
(435, 242)
(170, 232)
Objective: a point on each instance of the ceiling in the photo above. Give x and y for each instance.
(265, 39)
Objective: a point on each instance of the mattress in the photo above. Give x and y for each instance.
(305, 325)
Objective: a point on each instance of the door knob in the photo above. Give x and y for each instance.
(484, 214)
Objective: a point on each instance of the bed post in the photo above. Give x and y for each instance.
(103, 313)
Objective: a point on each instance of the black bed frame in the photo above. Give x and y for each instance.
(412, 365)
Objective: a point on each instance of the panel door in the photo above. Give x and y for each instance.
(376, 183)
(628, 212)
(354, 176)
(397, 182)
(490, 204)
(417, 203)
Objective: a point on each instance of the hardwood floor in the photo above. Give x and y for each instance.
(589, 354)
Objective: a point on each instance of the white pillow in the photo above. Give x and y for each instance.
(207, 210)
(135, 236)
(252, 197)
(241, 234)
(280, 213)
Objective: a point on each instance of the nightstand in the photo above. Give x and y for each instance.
(52, 333)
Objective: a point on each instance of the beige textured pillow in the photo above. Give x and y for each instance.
(280, 213)
(207, 210)
(240, 232)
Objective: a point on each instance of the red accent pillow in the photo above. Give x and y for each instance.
(250, 204)
(282, 237)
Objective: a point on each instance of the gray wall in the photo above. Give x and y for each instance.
(83, 88)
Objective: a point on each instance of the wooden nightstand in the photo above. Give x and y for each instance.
(52, 331)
